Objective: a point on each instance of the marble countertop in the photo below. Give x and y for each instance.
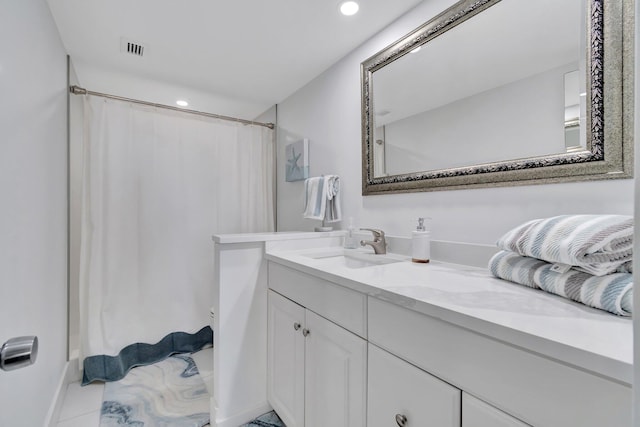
(472, 298)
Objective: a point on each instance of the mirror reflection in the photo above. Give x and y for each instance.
(509, 83)
(574, 112)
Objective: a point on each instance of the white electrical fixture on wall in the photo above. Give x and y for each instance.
(297, 155)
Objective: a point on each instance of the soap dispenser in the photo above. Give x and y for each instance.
(421, 243)
(350, 241)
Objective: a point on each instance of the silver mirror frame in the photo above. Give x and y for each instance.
(609, 153)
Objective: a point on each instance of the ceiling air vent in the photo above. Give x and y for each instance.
(132, 47)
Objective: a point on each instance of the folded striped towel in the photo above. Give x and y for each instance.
(612, 292)
(322, 198)
(595, 244)
(627, 267)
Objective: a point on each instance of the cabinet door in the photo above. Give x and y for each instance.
(285, 358)
(335, 375)
(476, 413)
(402, 395)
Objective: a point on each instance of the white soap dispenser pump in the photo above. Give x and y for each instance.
(421, 243)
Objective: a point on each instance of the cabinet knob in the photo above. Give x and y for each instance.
(306, 332)
(296, 326)
(401, 420)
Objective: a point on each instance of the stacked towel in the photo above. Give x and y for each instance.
(612, 292)
(322, 201)
(586, 258)
(595, 244)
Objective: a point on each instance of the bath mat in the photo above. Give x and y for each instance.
(169, 393)
(267, 420)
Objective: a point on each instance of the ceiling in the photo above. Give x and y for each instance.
(254, 50)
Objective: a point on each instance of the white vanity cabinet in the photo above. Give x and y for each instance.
(404, 395)
(476, 413)
(401, 394)
(369, 358)
(285, 358)
(316, 369)
(534, 389)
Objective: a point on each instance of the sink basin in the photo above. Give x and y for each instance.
(353, 259)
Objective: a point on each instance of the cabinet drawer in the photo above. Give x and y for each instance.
(476, 413)
(530, 387)
(342, 306)
(398, 389)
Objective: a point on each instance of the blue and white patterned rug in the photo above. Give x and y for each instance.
(168, 393)
(267, 420)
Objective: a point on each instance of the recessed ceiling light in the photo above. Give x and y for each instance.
(349, 8)
(416, 49)
(182, 103)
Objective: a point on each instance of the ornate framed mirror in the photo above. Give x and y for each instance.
(501, 92)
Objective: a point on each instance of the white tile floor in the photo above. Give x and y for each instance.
(81, 406)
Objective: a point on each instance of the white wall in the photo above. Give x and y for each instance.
(327, 111)
(112, 82)
(76, 118)
(33, 246)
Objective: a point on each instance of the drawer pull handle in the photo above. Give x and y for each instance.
(306, 332)
(296, 326)
(401, 420)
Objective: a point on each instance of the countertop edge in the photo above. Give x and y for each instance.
(273, 236)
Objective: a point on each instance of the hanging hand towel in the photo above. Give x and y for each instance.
(322, 198)
(333, 211)
(315, 198)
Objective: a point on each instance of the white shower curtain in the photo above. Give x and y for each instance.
(157, 185)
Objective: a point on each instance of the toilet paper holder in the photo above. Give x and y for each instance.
(18, 352)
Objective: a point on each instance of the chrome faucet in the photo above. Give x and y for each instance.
(379, 244)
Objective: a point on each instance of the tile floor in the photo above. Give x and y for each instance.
(81, 406)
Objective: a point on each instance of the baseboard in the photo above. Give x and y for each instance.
(74, 374)
(240, 419)
(70, 373)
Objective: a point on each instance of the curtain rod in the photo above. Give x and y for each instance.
(77, 90)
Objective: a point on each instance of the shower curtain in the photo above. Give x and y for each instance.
(157, 184)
